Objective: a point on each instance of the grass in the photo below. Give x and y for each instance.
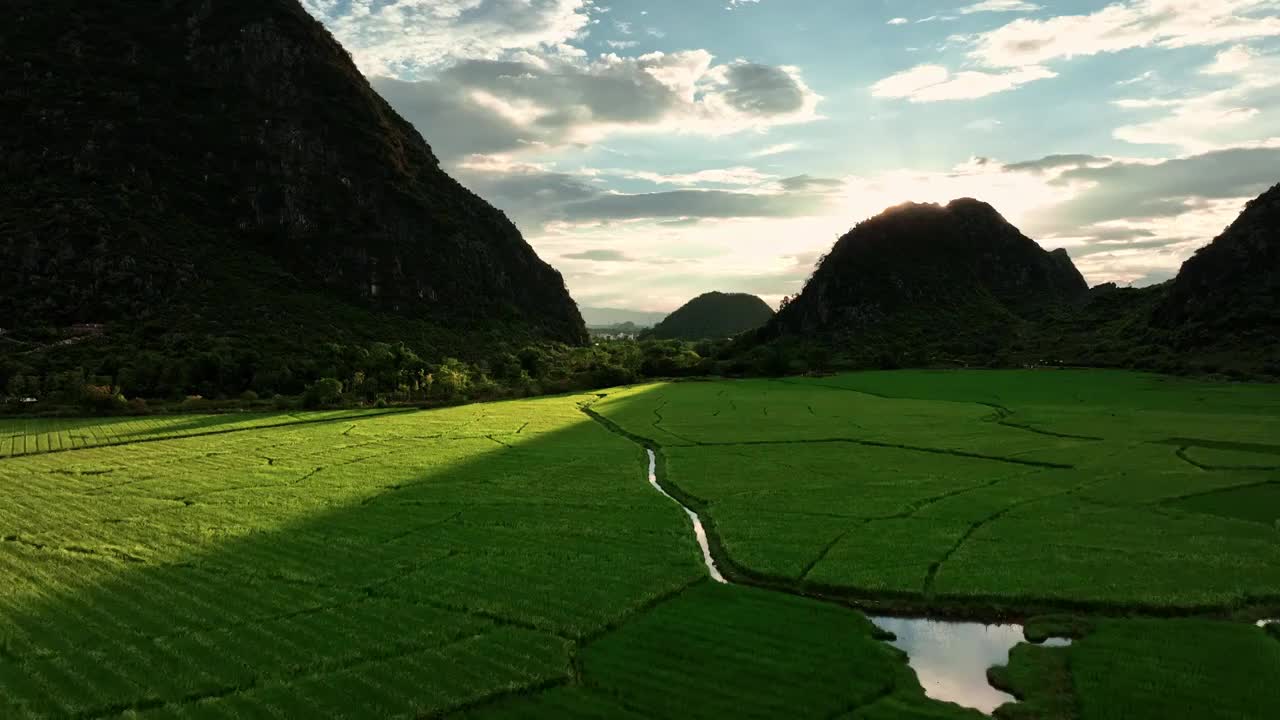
(983, 492)
(509, 560)
(1148, 668)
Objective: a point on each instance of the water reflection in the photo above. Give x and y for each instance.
(952, 658)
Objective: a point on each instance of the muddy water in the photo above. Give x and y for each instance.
(698, 531)
(950, 658)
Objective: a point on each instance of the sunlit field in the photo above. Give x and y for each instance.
(510, 559)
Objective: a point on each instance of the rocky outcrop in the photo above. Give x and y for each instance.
(930, 269)
(1228, 293)
(188, 153)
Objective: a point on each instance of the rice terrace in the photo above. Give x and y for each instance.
(511, 559)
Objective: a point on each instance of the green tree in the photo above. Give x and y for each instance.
(325, 391)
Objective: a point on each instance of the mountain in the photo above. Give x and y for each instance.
(1228, 293)
(598, 317)
(213, 170)
(957, 280)
(714, 315)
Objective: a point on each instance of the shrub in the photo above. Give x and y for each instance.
(249, 396)
(325, 391)
(102, 398)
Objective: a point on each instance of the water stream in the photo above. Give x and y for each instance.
(950, 658)
(698, 531)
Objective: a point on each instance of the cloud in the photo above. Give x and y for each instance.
(742, 176)
(1057, 162)
(808, 183)
(984, 124)
(774, 150)
(693, 203)
(1125, 25)
(1016, 53)
(934, 83)
(490, 106)
(1131, 190)
(1244, 112)
(995, 6)
(600, 256)
(898, 21)
(404, 37)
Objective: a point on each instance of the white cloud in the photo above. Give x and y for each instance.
(898, 21)
(1126, 25)
(1246, 112)
(403, 37)
(995, 6)
(739, 176)
(772, 150)
(934, 83)
(481, 106)
(1229, 62)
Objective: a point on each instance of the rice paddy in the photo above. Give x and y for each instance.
(510, 559)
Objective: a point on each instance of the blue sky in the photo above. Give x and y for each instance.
(656, 149)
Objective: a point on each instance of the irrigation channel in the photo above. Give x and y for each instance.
(950, 658)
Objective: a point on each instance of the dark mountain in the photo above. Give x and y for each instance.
(1228, 293)
(958, 278)
(221, 169)
(714, 315)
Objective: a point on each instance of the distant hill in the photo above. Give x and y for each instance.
(714, 315)
(598, 317)
(626, 328)
(194, 174)
(956, 279)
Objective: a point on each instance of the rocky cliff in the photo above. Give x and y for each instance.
(1228, 293)
(226, 161)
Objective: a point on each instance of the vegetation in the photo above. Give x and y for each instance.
(503, 559)
(1145, 668)
(957, 286)
(509, 560)
(714, 316)
(115, 381)
(130, 231)
(953, 491)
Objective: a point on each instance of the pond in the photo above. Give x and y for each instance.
(952, 658)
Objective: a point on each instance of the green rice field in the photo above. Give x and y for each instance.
(511, 560)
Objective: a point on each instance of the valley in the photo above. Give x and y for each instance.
(510, 559)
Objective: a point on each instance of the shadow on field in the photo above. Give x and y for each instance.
(393, 566)
(404, 568)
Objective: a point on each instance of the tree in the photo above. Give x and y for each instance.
(325, 391)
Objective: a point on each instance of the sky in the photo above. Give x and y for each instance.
(653, 150)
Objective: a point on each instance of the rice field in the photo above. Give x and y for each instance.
(31, 436)
(510, 559)
(1079, 489)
